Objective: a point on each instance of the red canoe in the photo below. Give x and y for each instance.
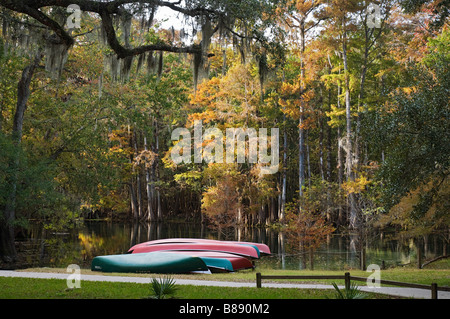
(242, 250)
(238, 262)
(263, 248)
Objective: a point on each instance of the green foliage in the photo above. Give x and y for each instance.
(163, 288)
(36, 194)
(352, 292)
(83, 135)
(416, 138)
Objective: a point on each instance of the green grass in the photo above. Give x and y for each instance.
(439, 275)
(54, 288)
(31, 288)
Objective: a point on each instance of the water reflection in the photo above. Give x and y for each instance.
(80, 245)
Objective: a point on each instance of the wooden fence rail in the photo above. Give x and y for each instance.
(347, 279)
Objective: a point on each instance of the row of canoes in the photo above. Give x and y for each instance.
(183, 255)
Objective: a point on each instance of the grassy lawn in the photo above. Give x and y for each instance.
(28, 288)
(439, 273)
(25, 288)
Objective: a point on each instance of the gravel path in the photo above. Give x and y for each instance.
(404, 292)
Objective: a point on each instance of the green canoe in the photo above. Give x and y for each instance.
(217, 264)
(154, 262)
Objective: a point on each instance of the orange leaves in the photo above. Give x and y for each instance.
(220, 202)
(294, 102)
(146, 158)
(122, 137)
(229, 99)
(306, 228)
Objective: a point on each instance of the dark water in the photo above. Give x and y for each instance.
(44, 248)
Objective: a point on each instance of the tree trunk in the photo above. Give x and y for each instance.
(340, 159)
(361, 98)
(133, 200)
(7, 249)
(321, 124)
(283, 187)
(284, 171)
(301, 137)
(138, 181)
(349, 145)
(158, 193)
(150, 212)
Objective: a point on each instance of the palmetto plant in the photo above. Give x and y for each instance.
(163, 287)
(352, 292)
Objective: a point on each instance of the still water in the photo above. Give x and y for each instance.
(43, 248)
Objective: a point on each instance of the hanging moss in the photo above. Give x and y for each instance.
(125, 68)
(160, 64)
(201, 63)
(114, 67)
(263, 68)
(207, 33)
(197, 61)
(140, 62)
(151, 63)
(56, 57)
(126, 29)
(102, 36)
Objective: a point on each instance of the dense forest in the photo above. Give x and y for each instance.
(92, 91)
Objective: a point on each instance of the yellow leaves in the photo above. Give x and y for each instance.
(90, 244)
(221, 201)
(228, 99)
(336, 115)
(409, 90)
(207, 116)
(357, 186)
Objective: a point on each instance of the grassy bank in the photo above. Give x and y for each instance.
(439, 273)
(57, 288)
(28, 288)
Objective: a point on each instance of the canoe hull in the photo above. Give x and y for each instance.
(211, 260)
(155, 262)
(242, 250)
(263, 248)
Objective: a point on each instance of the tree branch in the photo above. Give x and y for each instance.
(105, 10)
(123, 52)
(20, 6)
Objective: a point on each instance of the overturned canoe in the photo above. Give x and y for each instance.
(211, 260)
(263, 248)
(154, 262)
(218, 264)
(241, 250)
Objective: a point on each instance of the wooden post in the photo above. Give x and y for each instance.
(258, 280)
(347, 280)
(434, 291)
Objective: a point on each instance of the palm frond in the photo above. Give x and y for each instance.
(163, 287)
(349, 293)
